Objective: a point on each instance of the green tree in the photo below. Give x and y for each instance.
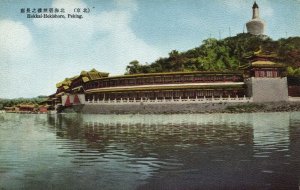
(133, 67)
(223, 55)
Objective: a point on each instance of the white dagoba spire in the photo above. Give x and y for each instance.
(255, 10)
(256, 26)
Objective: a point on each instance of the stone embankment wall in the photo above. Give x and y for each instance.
(222, 107)
(143, 108)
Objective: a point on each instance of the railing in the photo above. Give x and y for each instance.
(237, 99)
(294, 99)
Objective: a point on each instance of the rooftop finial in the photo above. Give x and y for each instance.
(255, 11)
(255, 6)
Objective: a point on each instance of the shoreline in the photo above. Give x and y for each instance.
(264, 107)
(208, 108)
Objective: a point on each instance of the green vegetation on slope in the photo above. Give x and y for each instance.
(17, 101)
(224, 55)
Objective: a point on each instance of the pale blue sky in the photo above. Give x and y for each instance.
(37, 53)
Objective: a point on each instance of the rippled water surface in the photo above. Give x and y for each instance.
(200, 151)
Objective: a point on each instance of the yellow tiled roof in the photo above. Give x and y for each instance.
(266, 64)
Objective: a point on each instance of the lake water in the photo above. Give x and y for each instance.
(199, 151)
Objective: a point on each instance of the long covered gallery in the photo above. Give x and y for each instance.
(167, 92)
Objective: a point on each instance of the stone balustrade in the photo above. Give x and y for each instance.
(294, 99)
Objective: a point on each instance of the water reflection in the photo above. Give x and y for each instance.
(213, 151)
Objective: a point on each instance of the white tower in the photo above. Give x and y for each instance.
(256, 26)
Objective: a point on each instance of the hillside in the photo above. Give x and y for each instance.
(224, 55)
(17, 101)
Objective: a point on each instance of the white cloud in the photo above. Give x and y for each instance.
(15, 40)
(267, 12)
(33, 61)
(104, 40)
(18, 56)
